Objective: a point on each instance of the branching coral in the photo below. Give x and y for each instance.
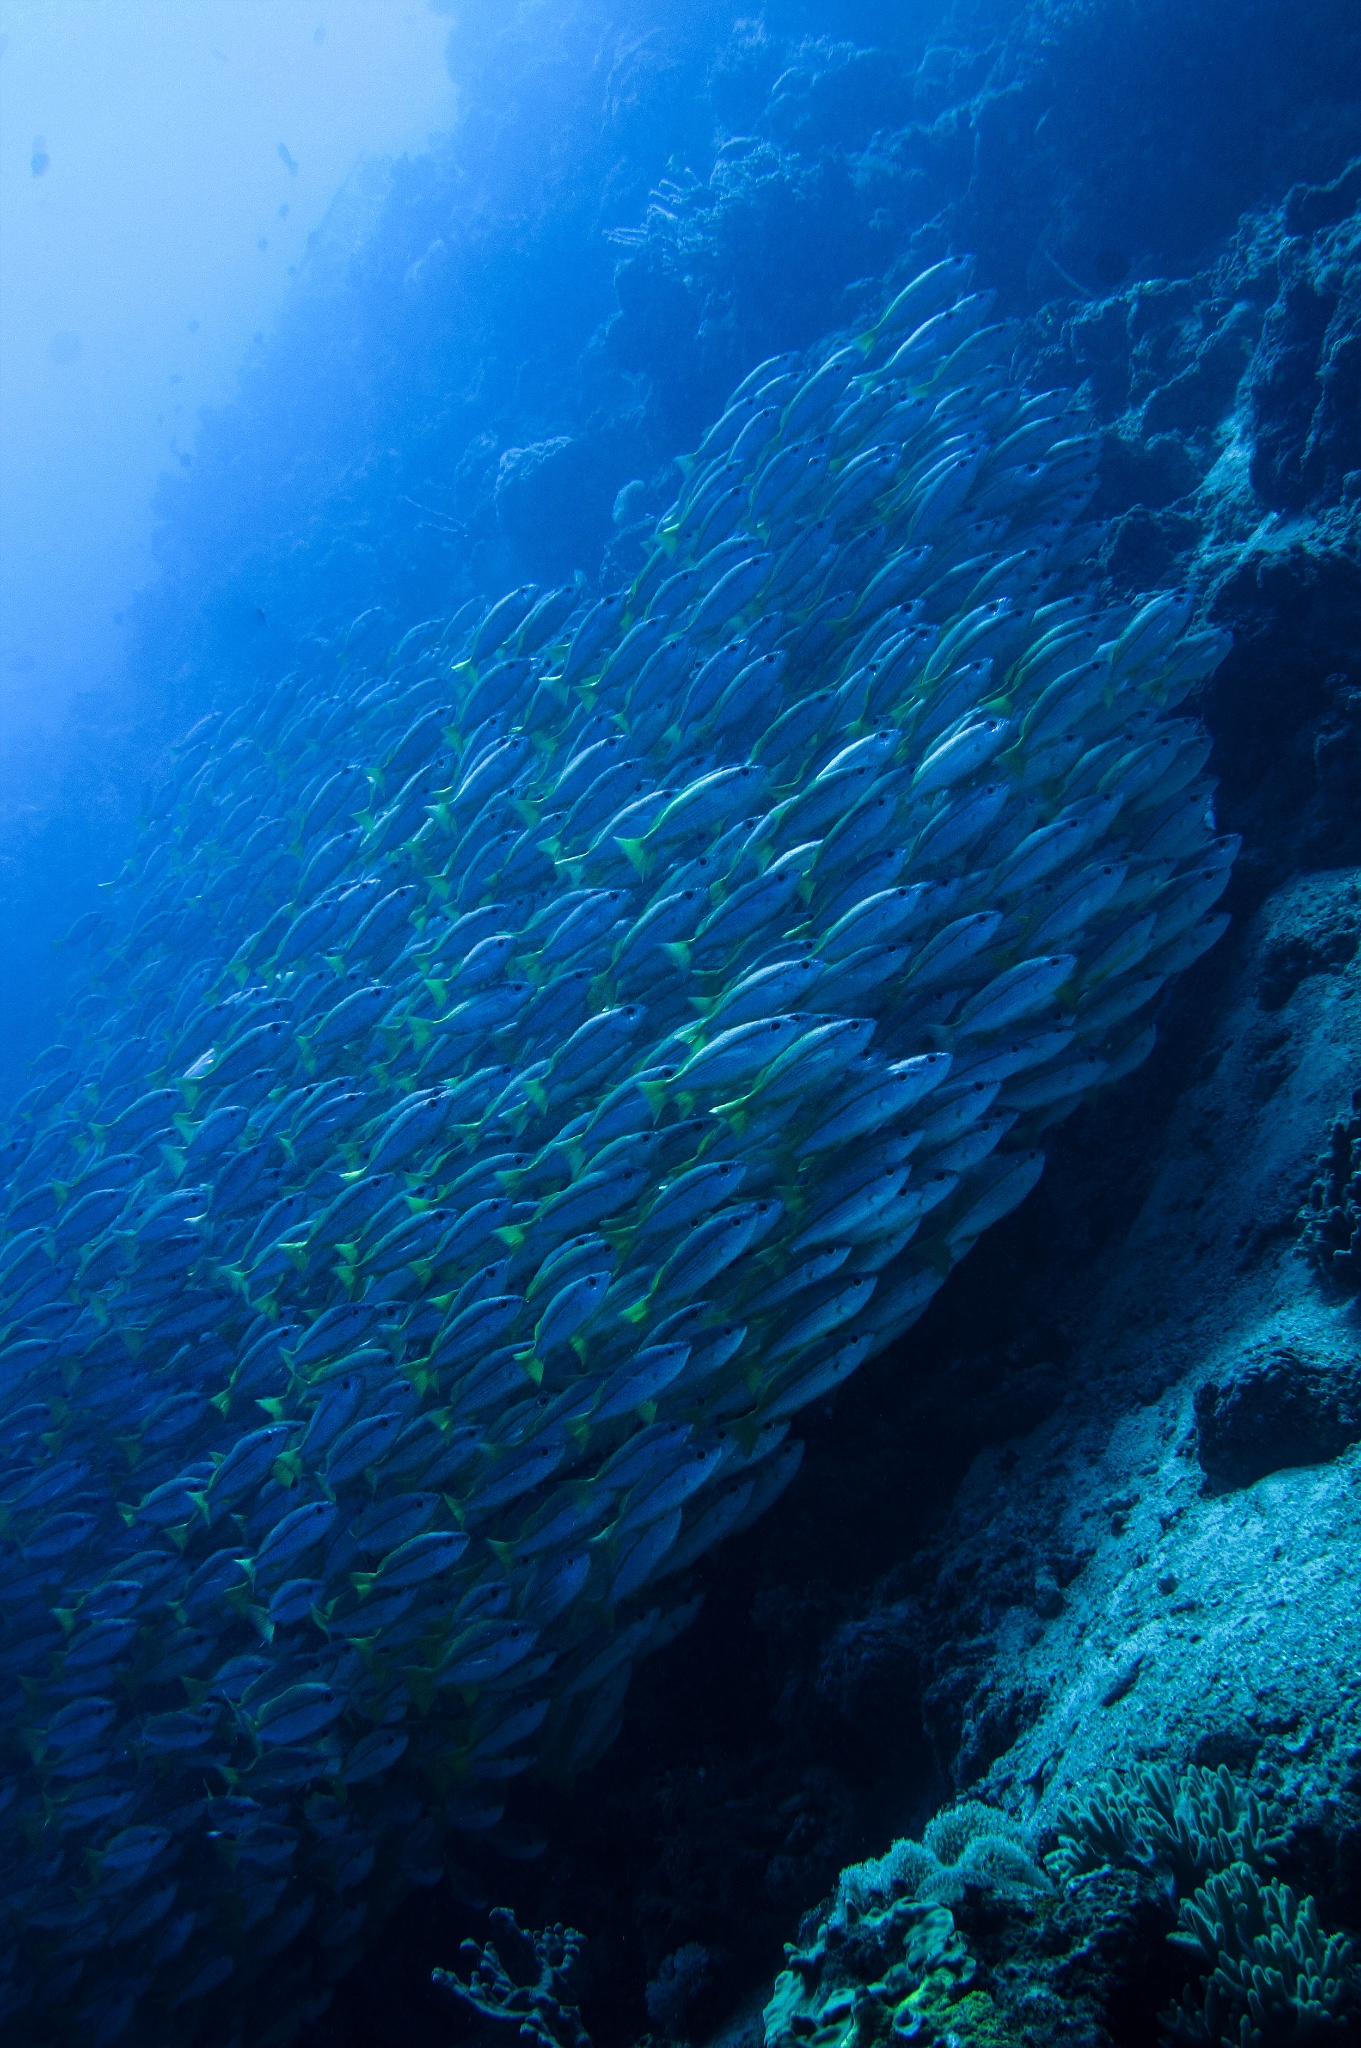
(525, 1980)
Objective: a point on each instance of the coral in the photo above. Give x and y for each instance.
(1275, 1979)
(902, 1969)
(1149, 1819)
(965, 1844)
(888, 1960)
(957, 1829)
(1272, 1976)
(1332, 1215)
(523, 1979)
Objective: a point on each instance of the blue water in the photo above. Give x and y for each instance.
(422, 1302)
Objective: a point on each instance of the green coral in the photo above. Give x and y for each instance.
(1148, 1819)
(823, 2001)
(1275, 1978)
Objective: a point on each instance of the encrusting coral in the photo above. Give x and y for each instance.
(887, 1959)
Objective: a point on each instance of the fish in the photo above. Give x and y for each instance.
(520, 1077)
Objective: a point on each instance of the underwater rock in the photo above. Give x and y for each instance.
(837, 95)
(1332, 1220)
(1224, 464)
(1275, 1411)
(524, 1076)
(1318, 934)
(1304, 389)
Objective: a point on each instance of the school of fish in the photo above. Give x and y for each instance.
(516, 1077)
